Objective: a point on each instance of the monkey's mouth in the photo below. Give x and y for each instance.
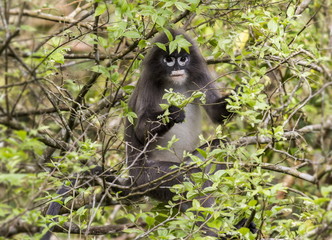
(178, 76)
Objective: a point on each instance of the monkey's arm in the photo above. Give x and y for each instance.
(149, 124)
(216, 106)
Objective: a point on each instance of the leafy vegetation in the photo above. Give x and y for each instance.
(68, 68)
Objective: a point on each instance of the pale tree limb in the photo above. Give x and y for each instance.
(286, 136)
(41, 135)
(303, 5)
(20, 226)
(49, 17)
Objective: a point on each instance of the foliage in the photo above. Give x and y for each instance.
(67, 69)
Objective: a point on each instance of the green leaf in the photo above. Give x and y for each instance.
(179, 43)
(272, 25)
(244, 231)
(326, 190)
(101, 69)
(131, 116)
(132, 34)
(164, 106)
(320, 201)
(181, 6)
(58, 57)
(252, 203)
(290, 11)
(196, 204)
(81, 211)
(103, 42)
(131, 217)
(306, 227)
(172, 46)
(132, 230)
(172, 141)
(150, 220)
(169, 35)
(161, 21)
(67, 199)
(28, 28)
(142, 43)
(14, 179)
(202, 152)
(161, 45)
(101, 8)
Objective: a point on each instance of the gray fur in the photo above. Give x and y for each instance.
(148, 95)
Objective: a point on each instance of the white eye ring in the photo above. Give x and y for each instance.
(182, 60)
(170, 61)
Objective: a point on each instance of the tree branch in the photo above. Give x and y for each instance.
(19, 226)
(49, 17)
(41, 135)
(286, 136)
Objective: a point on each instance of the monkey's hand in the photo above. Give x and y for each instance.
(176, 115)
(153, 124)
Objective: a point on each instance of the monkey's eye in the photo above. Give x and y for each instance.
(182, 60)
(170, 61)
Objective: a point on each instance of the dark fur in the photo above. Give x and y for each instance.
(148, 94)
(145, 102)
(53, 210)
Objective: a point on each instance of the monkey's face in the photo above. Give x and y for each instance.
(176, 67)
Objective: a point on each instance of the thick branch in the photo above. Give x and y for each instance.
(22, 227)
(41, 135)
(49, 17)
(304, 4)
(95, 230)
(286, 136)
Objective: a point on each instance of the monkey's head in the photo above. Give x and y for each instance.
(176, 65)
(176, 68)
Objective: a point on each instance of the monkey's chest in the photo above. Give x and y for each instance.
(186, 134)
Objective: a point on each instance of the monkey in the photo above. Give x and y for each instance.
(183, 72)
